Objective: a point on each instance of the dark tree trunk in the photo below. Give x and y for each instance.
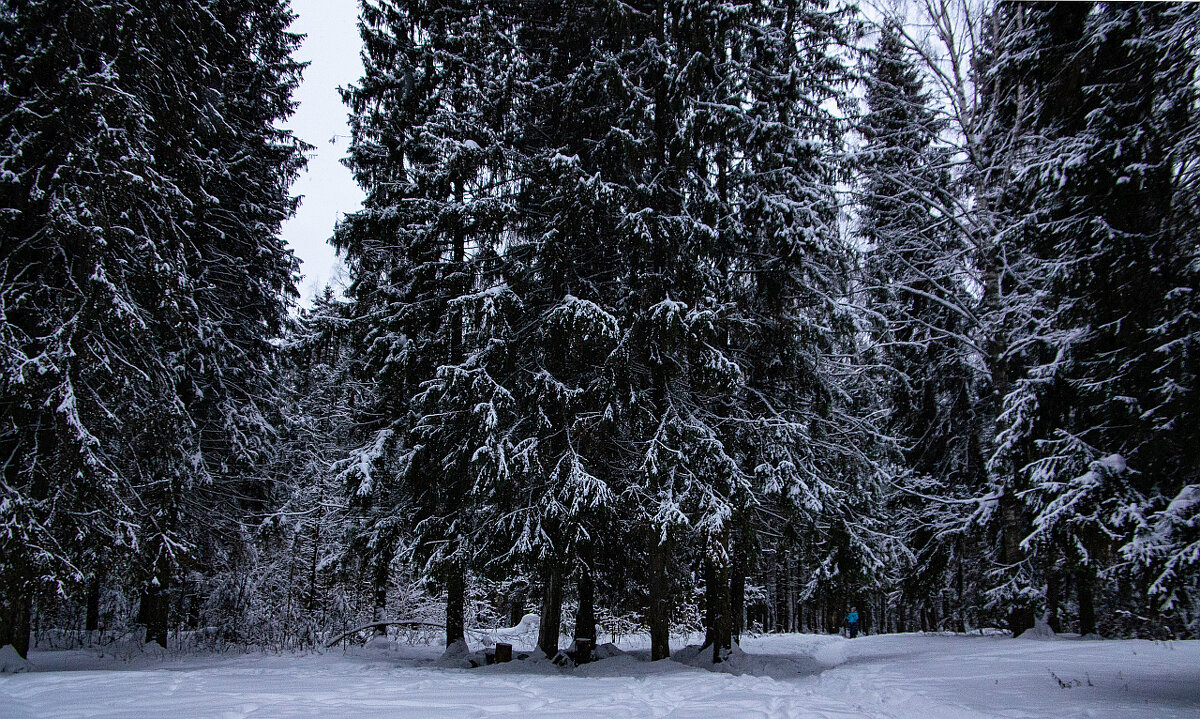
(516, 610)
(585, 618)
(660, 628)
(781, 617)
(710, 602)
(960, 590)
(456, 581)
(456, 590)
(154, 612)
(1011, 530)
(155, 606)
(379, 589)
(737, 590)
(1087, 602)
(722, 619)
(791, 570)
(1053, 594)
(552, 597)
(1020, 617)
(91, 621)
(15, 620)
(311, 601)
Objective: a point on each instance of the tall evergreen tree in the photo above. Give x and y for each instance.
(916, 269)
(429, 118)
(235, 166)
(1105, 205)
(143, 191)
(1028, 85)
(561, 264)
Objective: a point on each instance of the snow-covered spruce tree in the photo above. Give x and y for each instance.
(1027, 80)
(560, 512)
(1163, 367)
(428, 122)
(147, 188)
(1093, 412)
(237, 172)
(675, 324)
(1168, 544)
(80, 282)
(806, 432)
(916, 265)
(732, 308)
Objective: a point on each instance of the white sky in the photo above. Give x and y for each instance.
(332, 49)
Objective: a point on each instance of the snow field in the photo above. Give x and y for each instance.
(781, 676)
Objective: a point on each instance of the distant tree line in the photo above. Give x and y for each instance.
(660, 316)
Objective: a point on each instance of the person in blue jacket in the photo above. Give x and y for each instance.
(852, 622)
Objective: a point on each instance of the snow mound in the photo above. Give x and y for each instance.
(607, 651)
(807, 661)
(380, 643)
(11, 662)
(457, 656)
(1040, 630)
(832, 653)
(694, 655)
(735, 662)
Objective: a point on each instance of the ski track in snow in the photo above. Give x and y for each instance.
(781, 676)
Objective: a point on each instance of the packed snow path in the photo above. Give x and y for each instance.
(794, 676)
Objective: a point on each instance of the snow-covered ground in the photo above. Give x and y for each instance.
(794, 676)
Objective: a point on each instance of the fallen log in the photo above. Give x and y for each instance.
(389, 623)
(395, 623)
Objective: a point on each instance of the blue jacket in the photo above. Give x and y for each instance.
(852, 618)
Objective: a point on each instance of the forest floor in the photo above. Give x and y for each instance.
(906, 676)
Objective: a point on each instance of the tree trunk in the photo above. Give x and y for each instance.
(310, 601)
(1087, 602)
(154, 611)
(1012, 528)
(789, 572)
(379, 589)
(516, 609)
(960, 590)
(737, 589)
(585, 618)
(780, 593)
(710, 602)
(722, 639)
(456, 581)
(1053, 593)
(456, 591)
(660, 628)
(91, 621)
(552, 596)
(15, 624)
